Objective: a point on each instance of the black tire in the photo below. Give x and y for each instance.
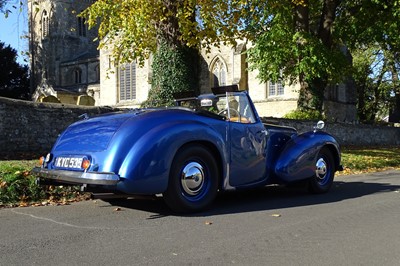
(322, 180)
(196, 189)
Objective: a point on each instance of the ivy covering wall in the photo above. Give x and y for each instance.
(175, 70)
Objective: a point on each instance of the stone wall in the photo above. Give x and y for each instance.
(347, 134)
(28, 130)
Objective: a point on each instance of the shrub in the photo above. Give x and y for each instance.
(304, 115)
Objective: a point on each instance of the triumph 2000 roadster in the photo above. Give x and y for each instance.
(189, 152)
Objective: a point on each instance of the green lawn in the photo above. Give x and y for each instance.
(361, 160)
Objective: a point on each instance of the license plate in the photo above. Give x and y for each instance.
(69, 162)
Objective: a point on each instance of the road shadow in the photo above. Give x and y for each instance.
(266, 198)
(270, 198)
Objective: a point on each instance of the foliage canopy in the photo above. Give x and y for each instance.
(310, 42)
(14, 78)
(133, 26)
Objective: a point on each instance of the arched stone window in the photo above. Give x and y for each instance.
(45, 24)
(219, 73)
(77, 75)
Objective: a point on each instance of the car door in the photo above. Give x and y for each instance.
(247, 138)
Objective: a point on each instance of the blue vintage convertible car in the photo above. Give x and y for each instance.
(189, 152)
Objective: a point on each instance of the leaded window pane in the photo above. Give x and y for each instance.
(281, 89)
(276, 89)
(272, 89)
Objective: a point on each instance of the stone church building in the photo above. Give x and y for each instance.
(68, 68)
(64, 59)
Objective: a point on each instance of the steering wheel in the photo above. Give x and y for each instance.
(233, 113)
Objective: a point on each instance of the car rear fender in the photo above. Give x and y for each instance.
(146, 166)
(297, 159)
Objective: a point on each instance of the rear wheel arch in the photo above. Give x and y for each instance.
(194, 179)
(212, 149)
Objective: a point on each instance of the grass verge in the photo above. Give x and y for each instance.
(18, 187)
(365, 160)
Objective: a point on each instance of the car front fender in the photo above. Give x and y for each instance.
(297, 159)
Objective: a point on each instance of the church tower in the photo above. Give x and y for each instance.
(64, 57)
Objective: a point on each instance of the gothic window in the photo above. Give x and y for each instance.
(276, 89)
(45, 24)
(219, 73)
(82, 27)
(127, 82)
(78, 76)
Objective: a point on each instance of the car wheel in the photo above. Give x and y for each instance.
(193, 181)
(322, 181)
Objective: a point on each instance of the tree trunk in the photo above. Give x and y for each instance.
(326, 22)
(301, 24)
(302, 20)
(312, 91)
(168, 29)
(362, 115)
(311, 95)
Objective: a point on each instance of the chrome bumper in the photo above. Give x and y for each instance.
(79, 178)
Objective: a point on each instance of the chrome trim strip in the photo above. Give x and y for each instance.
(90, 178)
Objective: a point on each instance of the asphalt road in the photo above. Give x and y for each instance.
(356, 223)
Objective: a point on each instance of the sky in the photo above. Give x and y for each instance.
(11, 31)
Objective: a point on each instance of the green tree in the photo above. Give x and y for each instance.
(171, 30)
(135, 28)
(14, 78)
(297, 43)
(376, 53)
(302, 40)
(310, 42)
(376, 77)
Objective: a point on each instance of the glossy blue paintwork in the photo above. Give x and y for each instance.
(248, 154)
(297, 159)
(139, 147)
(142, 147)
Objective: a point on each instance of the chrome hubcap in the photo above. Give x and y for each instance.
(321, 169)
(192, 178)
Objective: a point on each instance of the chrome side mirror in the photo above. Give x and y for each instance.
(320, 125)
